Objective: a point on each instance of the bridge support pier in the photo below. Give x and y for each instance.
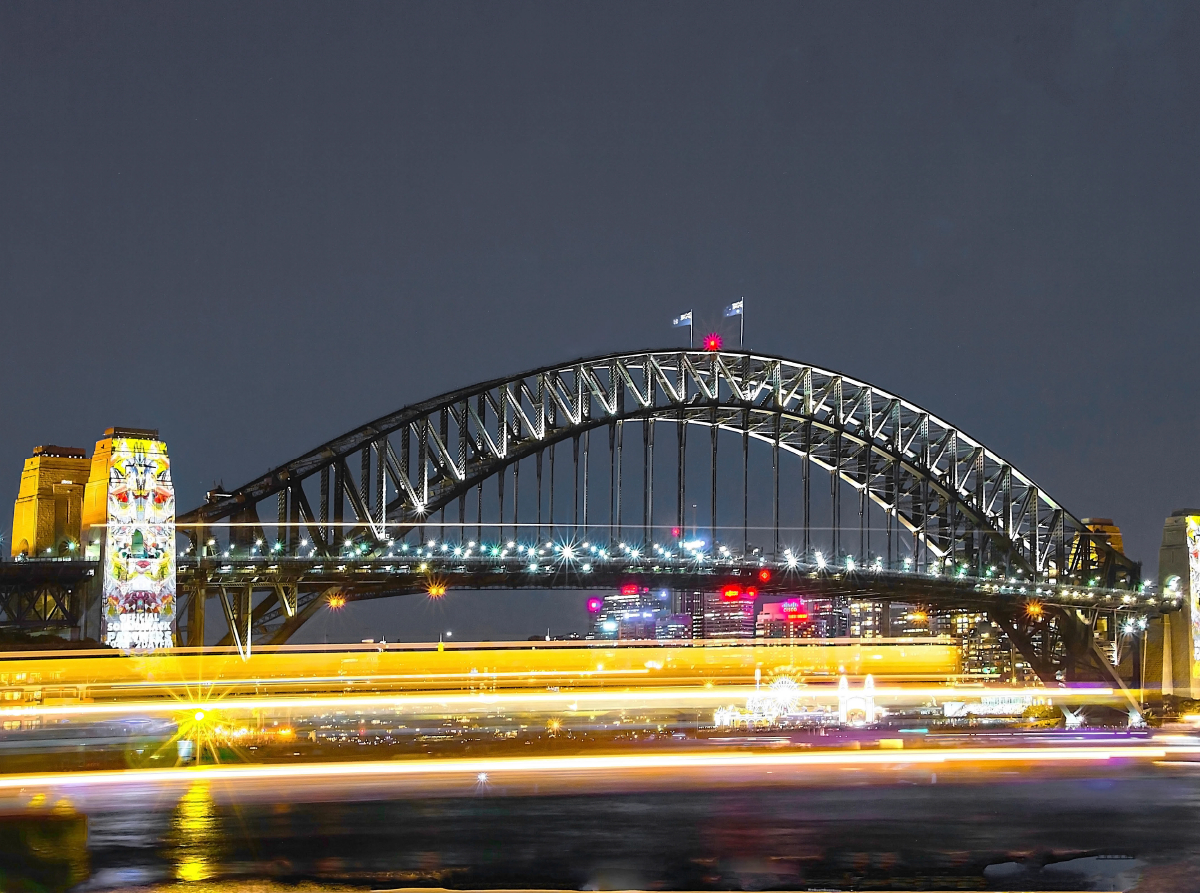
(1173, 644)
(1157, 658)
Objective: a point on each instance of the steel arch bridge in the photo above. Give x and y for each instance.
(553, 478)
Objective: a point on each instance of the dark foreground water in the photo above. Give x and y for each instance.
(1131, 827)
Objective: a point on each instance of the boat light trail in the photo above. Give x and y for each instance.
(680, 696)
(499, 767)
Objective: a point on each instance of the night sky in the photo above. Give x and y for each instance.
(256, 226)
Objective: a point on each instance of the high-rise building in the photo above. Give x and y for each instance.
(830, 617)
(47, 516)
(728, 613)
(691, 603)
(634, 612)
(787, 619)
(911, 621)
(673, 626)
(865, 619)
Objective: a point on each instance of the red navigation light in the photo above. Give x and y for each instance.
(732, 593)
(629, 589)
(712, 341)
(765, 575)
(594, 605)
(674, 531)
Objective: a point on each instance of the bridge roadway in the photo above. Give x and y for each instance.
(36, 592)
(297, 587)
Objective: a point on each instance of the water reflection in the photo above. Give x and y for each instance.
(194, 837)
(1058, 830)
(45, 848)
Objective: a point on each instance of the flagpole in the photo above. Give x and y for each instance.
(742, 327)
(686, 319)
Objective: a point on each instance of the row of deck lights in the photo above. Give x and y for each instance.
(688, 552)
(693, 549)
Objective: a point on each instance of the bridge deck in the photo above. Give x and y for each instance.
(389, 576)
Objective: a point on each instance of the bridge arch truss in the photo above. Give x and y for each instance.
(941, 496)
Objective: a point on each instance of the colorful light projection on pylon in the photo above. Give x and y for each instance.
(139, 558)
(1193, 551)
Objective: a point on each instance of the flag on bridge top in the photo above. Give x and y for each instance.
(734, 309)
(684, 319)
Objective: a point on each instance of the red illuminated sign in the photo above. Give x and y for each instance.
(731, 594)
(629, 589)
(764, 575)
(794, 609)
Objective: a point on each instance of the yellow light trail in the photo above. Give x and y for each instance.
(599, 764)
(376, 678)
(674, 696)
(926, 661)
(350, 702)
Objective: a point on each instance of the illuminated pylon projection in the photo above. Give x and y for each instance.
(132, 474)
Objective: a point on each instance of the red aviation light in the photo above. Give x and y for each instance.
(712, 341)
(751, 592)
(765, 575)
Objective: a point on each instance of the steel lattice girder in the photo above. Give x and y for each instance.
(44, 605)
(43, 594)
(946, 488)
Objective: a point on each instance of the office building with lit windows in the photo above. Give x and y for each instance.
(787, 619)
(728, 614)
(635, 612)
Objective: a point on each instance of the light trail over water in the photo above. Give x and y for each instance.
(686, 762)
(675, 696)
